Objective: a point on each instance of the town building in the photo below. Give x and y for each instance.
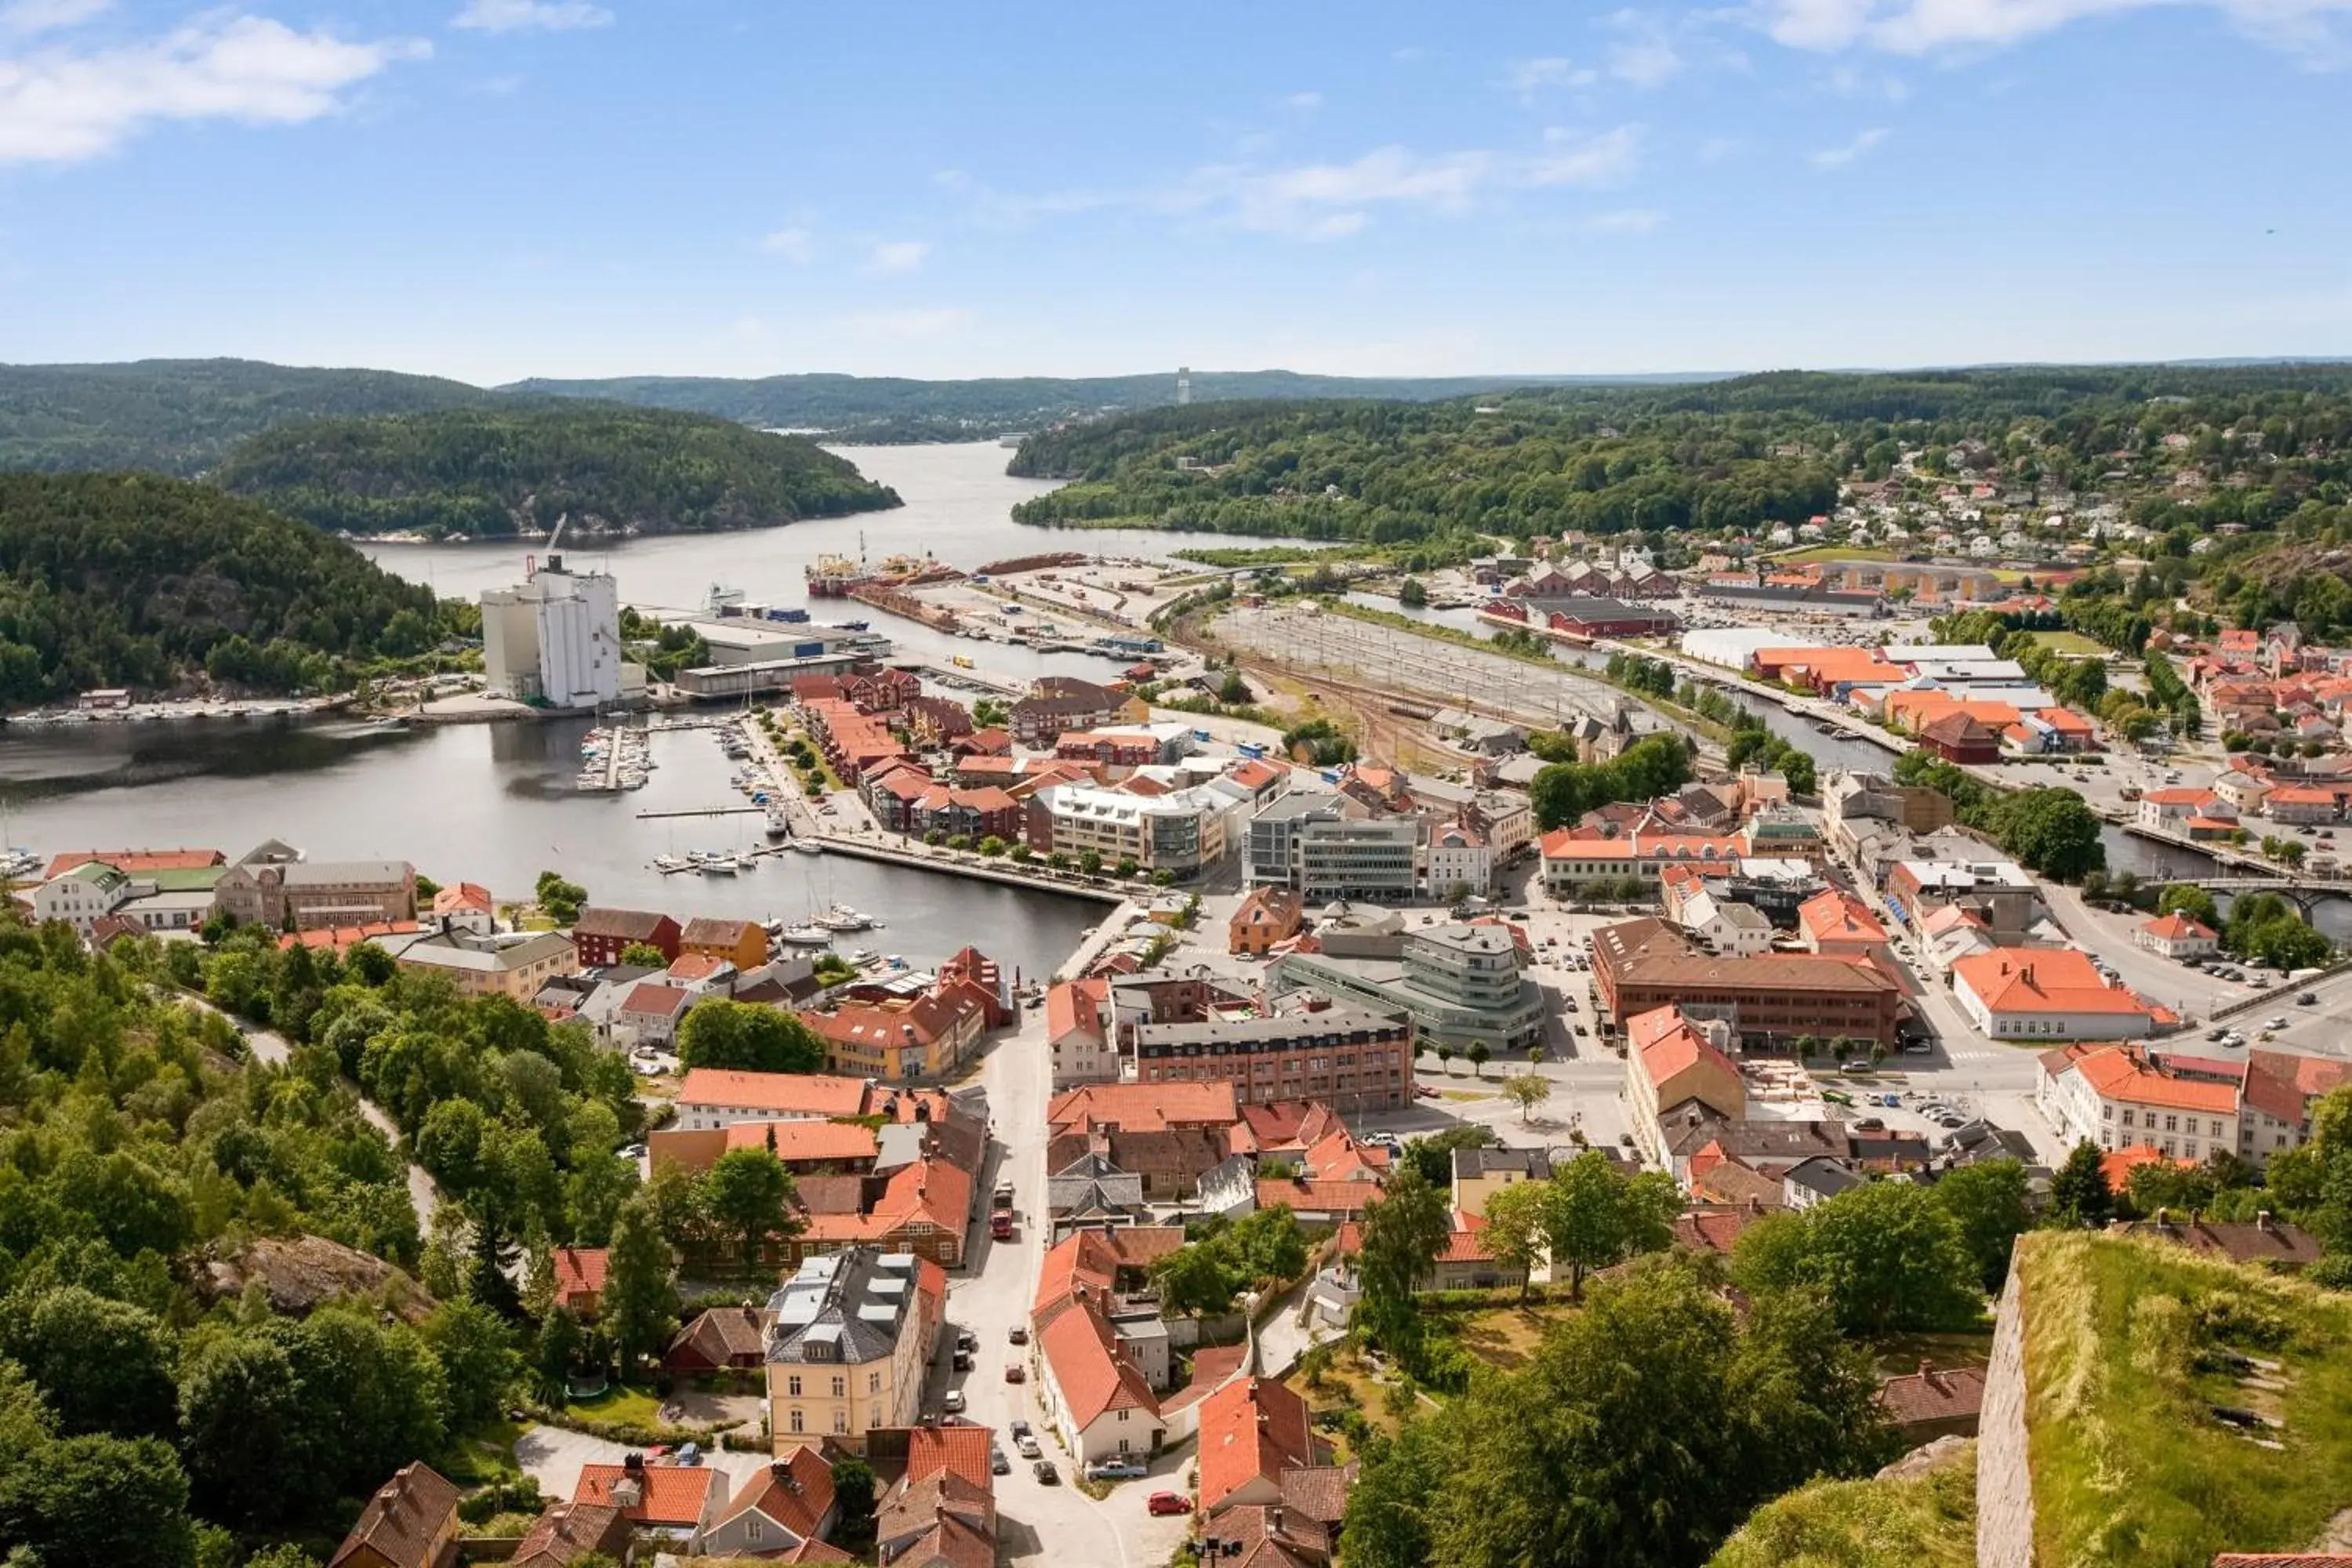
(1267, 917)
(1061, 703)
(902, 1038)
(941, 1512)
(668, 1504)
(1769, 1002)
(2115, 1096)
(1836, 922)
(1329, 847)
(1077, 1033)
(2010, 993)
(847, 1343)
(1850, 800)
(555, 640)
(1349, 1058)
(1183, 831)
(720, 1097)
(1998, 891)
(777, 1511)
(569, 1532)
(1480, 1173)
(1458, 986)
(411, 1522)
(1458, 862)
(1671, 1062)
(513, 965)
(2178, 936)
(275, 888)
(602, 934)
(2281, 1092)
(1253, 1432)
(742, 943)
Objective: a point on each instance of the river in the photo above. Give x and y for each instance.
(493, 803)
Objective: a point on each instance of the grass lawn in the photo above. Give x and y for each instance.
(1900, 1354)
(1834, 552)
(1370, 1401)
(1504, 1337)
(484, 1453)
(1918, 1521)
(2130, 1467)
(2073, 644)
(619, 1402)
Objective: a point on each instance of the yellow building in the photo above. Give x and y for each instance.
(1671, 1061)
(512, 966)
(848, 1337)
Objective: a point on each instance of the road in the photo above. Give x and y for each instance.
(273, 1048)
(990, 1296)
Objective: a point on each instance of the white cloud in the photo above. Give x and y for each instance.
(1327, 201)
(898, 256)
(1645, 63)
(1839, 157)
(1631, 220)
(530, 16)
(26, 18)
(1715, 149)
(902, 325)
(61, 105)
(1575, 158)
(1547, 73)
(794, 244)
(1304, 103)
(1925, 26)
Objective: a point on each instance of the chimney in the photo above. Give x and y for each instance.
(633, 1464)
(2262, 1219)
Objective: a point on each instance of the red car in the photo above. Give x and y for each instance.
(1015, 1373)
(1169, 1502)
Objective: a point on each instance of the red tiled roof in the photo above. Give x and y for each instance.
(651, 999)
(2118, 1164)
(806, 1094)
(1932, 1394)
(400, 1522)
(462, 898)
(2115, 1073)
(804, 1138)
(2176, 927)
(579, 1269)
(2041, 980)
(795, 1492)
(1831, 915)
(694, 966)
(130, 862)
(1064, 1014)
(342, 938)
(675, 1494)
(1251, 1429)
(1095, 1378)
(961, 1451)
(1317, 1197)
(1145, 1107)
(2282, 1084)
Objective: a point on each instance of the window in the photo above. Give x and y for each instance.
(793, 1387)
(1122, 1416)
(2127, 1119)
(796, 1419)
(2213, 1129)
(752, 1528)
(2171, 1124)
(872, 1383)
(841, 1422)
(840, 1387)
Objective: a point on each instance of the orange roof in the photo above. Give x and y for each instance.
(1084, 1260)
(1094, 1379)
(2181, 796)
(799, 1503)
(694, 966)
(802, 1093)
(803, 1139)
(579, 1269)
(1675, 1047)
(1074, 1006)
(1256, 774)
(2301, 795)
(2041, 980)
(132, 861)
(2065, 720)
(462, 898)
(1251, 1429)
(1317, 1197)
(1833, 665)
(961, 1451)
(1145, 1107)
(342, 938)
(2118, 1164)
(1831, 915)
(2176, 927)
(2115, 1073)
(675, 1494)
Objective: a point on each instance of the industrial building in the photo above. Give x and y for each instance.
(555, 641)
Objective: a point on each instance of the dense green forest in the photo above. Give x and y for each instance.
(133, 580)
(877, 407)
(2273, 443)
(486, 472)
(180, 417)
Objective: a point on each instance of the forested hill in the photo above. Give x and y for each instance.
(888, 407)
(179, 416)
(1387, 472)
(482, 473)
(1729, 455)
(140, 581)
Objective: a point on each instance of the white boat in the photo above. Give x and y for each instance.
(671, 863)
(808, 847)
(721, 595)
(719, 866)
(804, 936)
(841, 917)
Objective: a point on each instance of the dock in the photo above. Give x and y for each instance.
(704, 811)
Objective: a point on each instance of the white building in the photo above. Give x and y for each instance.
(2114, 1098)
(82, 896)
(556, 638)
(2052, 994)
(1730, 930)
(2176, 936)
(1459, 856)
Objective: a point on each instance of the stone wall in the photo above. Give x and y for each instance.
(2004, 1478)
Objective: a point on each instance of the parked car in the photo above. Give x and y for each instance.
(1045, 1473)
(998, 1463)
(961, 1361)
(1015, 1373)
(1168, 1503)
(1115, 1470)
(2308, 999)
(966, 1339)
(1026, 1443)
(1018, 1335)
(952, 1403)
(690, 1454)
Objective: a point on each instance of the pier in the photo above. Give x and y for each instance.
(704, 811)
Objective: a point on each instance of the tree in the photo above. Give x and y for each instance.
(243, 1427)
(1514, 1231)
(1446, 1059)
(1433, 1154)
(1191, 1280)
(2079, 1195)
(1412, 595)
(96, 1499)
(1403, 1230)
(2177, 1189)
(1527, 1090)
(1988, 1200)
(2190, 898)
(476, 1350)
(1090, 862)
(749, 1193)
(1594, 1215)
(101, 1365)
(644, 954)
(747, 1037)
(1234, 691)
(561, 900)
(1480, 1055)
(2052, 831)
(557, 1352)
(854, 1491)
(639, 1305)
(1885, 1256)
(1266, 1245)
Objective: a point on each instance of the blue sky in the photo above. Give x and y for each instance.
(495, 188)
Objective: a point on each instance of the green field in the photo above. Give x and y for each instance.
(1834, 552)
(2073, 644)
